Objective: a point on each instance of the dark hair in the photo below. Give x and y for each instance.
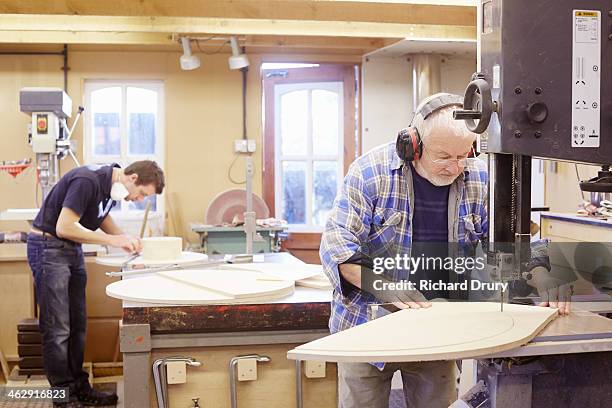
(148, 173)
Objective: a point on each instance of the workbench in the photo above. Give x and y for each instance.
(561, 227)
(214, 334)
(569, 353)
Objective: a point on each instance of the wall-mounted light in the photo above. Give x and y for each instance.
(188, 61)
(237, 60)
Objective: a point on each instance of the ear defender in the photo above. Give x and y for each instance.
(409, 145)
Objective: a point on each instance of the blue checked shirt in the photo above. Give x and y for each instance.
(372, 215)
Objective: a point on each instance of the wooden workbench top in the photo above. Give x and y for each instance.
(305, 309)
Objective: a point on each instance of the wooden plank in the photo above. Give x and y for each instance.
(16, 302)
(446, 331)
(229, 26)
(85, 37)
(314, 42)
(169, 42)
(4, 366)
(15, 379)
(235, 284)
(404, 12)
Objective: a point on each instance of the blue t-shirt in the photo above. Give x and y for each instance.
(430, 229)
(86, 191)
(430, 217)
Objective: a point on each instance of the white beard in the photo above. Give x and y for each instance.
(441, 180)
(437, 181)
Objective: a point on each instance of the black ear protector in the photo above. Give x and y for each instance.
(409, 145)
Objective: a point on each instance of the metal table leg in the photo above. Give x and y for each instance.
(298, 384)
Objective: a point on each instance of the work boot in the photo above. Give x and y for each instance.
(89, 396)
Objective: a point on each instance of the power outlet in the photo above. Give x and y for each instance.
(247, 369)
(244, 146)
(176, 372)
(314, 369)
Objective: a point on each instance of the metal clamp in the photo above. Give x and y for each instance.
(232, 373)
(159, 376)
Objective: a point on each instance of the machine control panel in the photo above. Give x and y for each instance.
(586, 78)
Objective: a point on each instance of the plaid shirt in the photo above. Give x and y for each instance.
(371, 215)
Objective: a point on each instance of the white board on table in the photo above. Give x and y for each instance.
(445, 331)
(238, 284)
(317, 282)
(159, 290)
(293, 271)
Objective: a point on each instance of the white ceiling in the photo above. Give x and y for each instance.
(408, 46)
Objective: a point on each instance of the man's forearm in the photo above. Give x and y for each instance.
(110, 227)
(77, 233)
(351, 273)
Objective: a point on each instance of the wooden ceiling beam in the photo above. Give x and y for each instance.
(85, 37)
(449, 12)
(224, 26)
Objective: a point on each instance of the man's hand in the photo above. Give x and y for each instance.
(558, 296)
(553, 292)
(403, 299)
(408, 299)
(128, 243)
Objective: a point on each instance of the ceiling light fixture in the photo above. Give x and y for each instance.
(188, 61)
(238, 60)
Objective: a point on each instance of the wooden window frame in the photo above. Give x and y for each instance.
(344, 73)
(305, 245)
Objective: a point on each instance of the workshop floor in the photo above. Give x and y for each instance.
(115, 387)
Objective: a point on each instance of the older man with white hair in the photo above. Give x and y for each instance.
(421, 188)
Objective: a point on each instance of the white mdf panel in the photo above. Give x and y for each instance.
(445, 331)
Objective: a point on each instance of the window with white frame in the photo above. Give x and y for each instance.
(124, 124)
(309, 144)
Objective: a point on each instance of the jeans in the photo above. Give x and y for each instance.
(60, 277)
(427, 384)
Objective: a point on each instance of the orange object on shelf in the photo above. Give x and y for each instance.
(15, 168)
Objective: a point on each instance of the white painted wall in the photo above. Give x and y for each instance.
(456, 73)
(387, 93)
(386, 99)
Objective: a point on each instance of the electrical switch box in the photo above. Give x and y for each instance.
(244, 146)
(176, 372)
(247, 369)
(314, 369)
